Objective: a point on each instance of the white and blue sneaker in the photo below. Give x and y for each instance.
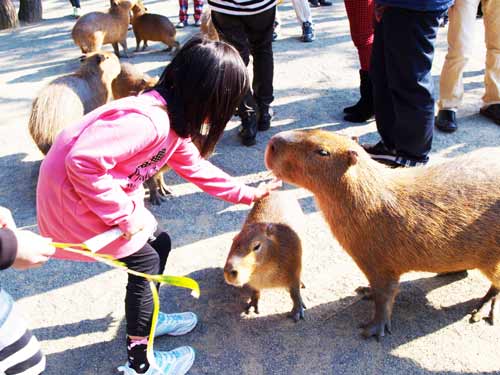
(174, 362)
(175, 324)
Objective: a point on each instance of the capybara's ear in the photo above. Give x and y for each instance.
(355, 139)
(114, 3)
(270, 229)
(352, 157)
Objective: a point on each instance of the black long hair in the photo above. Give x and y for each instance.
(202, 86)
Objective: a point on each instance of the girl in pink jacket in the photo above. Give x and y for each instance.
(91, 179)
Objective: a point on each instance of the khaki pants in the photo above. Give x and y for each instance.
(462, 18)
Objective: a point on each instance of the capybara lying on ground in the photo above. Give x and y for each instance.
(148, 26)
(267, 253)
(66, 99)
(439, 218)
(94, 29)
(207, 27)
(131, 81)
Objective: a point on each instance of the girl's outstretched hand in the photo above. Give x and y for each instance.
(265, 188)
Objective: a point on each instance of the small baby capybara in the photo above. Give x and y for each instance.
(94, 29)
(440, 218)
(155, 27)
(267, 253)
(66, 99)
(207, 27)
(131, 81)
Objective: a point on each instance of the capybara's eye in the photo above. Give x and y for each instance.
(257, 246)
(322, 152)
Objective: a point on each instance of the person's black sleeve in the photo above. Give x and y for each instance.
(8, 248)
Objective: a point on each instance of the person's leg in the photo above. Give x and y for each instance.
(139, 310)
(19, 349)
(231, 29)
(360, 15)
(384, 110)
(409, 49)
(259, 29)
(198, 10)
(183, 14)
(304, 16)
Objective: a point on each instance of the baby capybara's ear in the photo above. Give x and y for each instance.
(352, 157)
(355, 139)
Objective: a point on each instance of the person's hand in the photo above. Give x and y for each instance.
(32, 250)
(265, 188)
(128, 234)
(6, 219)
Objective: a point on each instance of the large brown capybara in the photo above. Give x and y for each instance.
(267, 253)
(440, 218)
(207, 27)
(131, 81)
(95, 29)
(66, 99)
(155, 27)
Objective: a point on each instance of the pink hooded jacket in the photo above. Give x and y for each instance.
(91, 179)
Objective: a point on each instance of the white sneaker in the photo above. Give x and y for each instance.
(174, 362)
(175, 324)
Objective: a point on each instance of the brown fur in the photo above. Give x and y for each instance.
(66, 99)
(131, 81)
(267, 253)
(440, 218)
(207, 27)
(95, 29)
(155, 27)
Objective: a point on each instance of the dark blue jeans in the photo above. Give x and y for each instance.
(75, 3)
(401, 63)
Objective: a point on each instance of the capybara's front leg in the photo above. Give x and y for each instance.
(383, 296)
(297, 312)
(138, 41)
(145, 45)
(115, 48)
(162, 187)
(123, 43)
(254, 302)
(478, 312)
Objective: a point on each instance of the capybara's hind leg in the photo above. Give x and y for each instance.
(383, 294)
(145, 45)
(489, 299)
(123, 43)
(138, 41)
(254, 302)
(297, 312)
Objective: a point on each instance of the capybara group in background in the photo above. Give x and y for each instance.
(207, 27)
(131, 81)
(267, 253)
(155, 27)
(66, 99)
(439, 218)
(95, 29)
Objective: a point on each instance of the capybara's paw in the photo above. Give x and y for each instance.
(376, 328)
(163, 190)
(297, 314)
(365, 292)
(155, 199)
(488, 300)
(249, 305)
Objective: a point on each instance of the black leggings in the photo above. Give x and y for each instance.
(75, 3)
(151, 259)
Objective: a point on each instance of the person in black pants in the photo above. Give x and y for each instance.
(76, 8)
(251, 34)
(400, 70)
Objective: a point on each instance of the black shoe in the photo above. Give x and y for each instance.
(363, 110)
(381, 153)
(248, 130)
(307, 32)
(314, 3)
(325, 3)
(264, 120)
(479, 11)
(492, 112)
(446, 121)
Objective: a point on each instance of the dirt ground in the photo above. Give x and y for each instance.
(76, 309)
